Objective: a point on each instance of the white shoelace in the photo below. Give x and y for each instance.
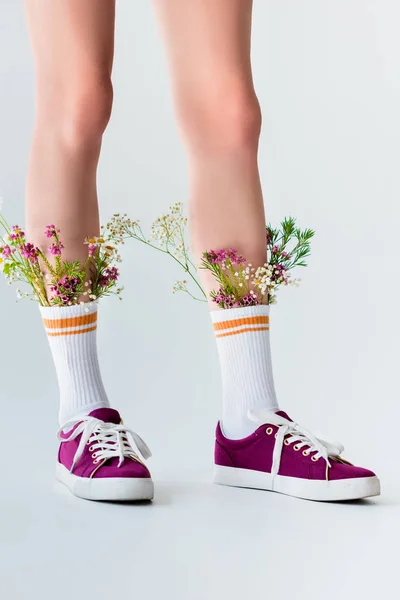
(297, 435)
(107, 440)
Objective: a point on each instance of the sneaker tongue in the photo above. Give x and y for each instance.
(108, 415)
(282, 413)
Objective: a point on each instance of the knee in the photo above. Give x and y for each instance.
(82, 114)
(89, 113)
(227, 121)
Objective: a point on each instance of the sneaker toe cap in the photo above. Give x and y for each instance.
(345, 471)
(128, 469)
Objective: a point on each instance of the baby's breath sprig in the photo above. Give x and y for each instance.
(167, 235)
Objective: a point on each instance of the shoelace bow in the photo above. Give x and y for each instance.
(296, 435)
(107, 440)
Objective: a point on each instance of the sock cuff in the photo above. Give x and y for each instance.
(69, 320)
(218, 316)
(78, 310)
(231, 321)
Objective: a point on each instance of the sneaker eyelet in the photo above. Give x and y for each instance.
(91, 449)
(286, 442)
(269, 431)
(96, 460)
(296, 448)
(314, 459)
(306, 452)
(94, 454)
(88, 442)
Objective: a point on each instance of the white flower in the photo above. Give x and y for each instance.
(179, 286)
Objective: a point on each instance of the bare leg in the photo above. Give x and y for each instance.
(73, 45)
(208, 46)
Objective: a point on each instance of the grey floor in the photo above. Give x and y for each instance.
(195, 541)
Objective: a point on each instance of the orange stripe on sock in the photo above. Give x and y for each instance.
(238, 322)
(72, 322)
(76, 332)
(242, 331)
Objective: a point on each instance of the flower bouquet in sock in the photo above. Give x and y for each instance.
(239, 283)
(242, 284)
(52, 280)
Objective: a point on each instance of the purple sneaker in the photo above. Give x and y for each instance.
(282, 456)
(96, 459)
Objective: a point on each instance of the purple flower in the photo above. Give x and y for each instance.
(62, 299)
(280, 273)
(16, 233)
(92, 249)
(65, 290)
(235, 258)
(222, 255)
(268, 236)
(210, 256)
(277, 250)
(51, 231)
(6, 251)
(29, 252)
(223, 300)
(69, 283)
(109, 276)
(250, 300)
(55, 249)
(280, 268)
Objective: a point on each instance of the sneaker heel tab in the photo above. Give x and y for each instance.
(218, 431)
(221, 456)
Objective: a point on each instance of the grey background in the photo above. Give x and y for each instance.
(327, 74)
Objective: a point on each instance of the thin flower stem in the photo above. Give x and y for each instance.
(194, 297)
(183, 265)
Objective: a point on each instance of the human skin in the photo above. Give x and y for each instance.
(208, 48)
(73, 47)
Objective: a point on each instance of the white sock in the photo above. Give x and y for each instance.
(71, 331)
(243, 343)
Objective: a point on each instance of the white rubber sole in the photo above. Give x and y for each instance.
(323, 491)
(112, 489)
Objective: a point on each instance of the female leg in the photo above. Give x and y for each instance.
(208, 46)
(73, 46)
